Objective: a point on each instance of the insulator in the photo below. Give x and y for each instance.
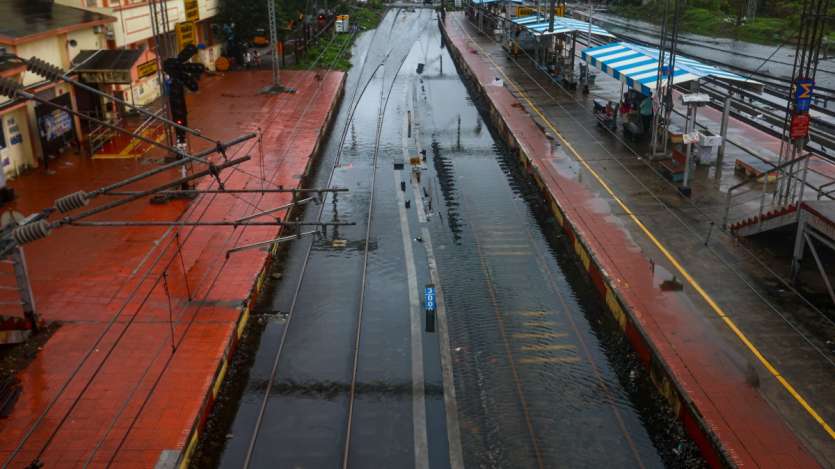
(44, 69)
(72, 201)
(31, 232)
(9, 87)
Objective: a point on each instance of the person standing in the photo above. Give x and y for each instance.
(646, 114)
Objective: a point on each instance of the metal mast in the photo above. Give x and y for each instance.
(273, 41)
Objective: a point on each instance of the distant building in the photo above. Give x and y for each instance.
(57, 34)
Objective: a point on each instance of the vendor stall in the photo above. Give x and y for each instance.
(553, 47)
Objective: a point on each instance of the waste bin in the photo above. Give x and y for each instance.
(707, 148)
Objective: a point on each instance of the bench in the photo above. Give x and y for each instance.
(673, 168)
(755, 168)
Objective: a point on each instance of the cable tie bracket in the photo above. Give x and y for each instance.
(220, 149)
(215, 172)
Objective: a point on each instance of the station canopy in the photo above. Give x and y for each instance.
(538, 25)
(637, 66)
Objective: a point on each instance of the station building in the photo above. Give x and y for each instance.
(127, 67)
(29, 131)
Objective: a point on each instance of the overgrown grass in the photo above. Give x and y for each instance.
(709, 22)
(366, 16)
(336, 53)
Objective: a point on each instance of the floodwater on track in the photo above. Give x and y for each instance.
(541, 374)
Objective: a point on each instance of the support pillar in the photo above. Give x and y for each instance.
(799, 244)
(27, 300)
(723, 133)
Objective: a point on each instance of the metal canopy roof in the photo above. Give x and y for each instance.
(106, 60)
(27, 20)
(637, 66)
(538, 25)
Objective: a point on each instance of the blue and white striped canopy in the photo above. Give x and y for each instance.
(638, 66)
(538, 24)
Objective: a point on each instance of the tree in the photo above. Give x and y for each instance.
(250, 16)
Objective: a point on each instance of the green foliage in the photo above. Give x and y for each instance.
(336, 54)
(336, 51)
(250, 16)
(366, 16)
(777, 20)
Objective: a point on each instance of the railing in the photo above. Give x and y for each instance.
(794, 181)
(100, 135)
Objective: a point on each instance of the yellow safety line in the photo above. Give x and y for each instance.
(545, 348)
(538, 335)
(531, 314)
(548, 360)
(718, 310)
(539, 324)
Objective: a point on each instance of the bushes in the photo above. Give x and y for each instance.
(709, 18)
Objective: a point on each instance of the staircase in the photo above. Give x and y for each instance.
(766, 221)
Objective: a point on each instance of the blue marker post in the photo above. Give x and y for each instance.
(429, 306)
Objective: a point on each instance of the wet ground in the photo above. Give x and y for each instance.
(539, 374)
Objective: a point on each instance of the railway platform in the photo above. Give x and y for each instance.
(149, 316)
(743, 361)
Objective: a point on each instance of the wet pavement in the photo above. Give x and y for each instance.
(148, 315)
(714, 312)
(523, 368)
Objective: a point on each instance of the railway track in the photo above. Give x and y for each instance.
(534, 340)
(390, 64)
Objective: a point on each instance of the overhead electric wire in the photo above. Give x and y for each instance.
(692, 204)
(310, 101)
(359, 91)
(107, 328)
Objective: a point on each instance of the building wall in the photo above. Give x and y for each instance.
(23, 149)
(86, 39)
(208, 8)
(51, 49)
(133, 21)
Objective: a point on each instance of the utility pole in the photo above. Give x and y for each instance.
(813, 22)
(796, 124)
(275, 88)
(551, 17)
(588, 43)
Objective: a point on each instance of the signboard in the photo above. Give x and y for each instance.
(343, 23)
(55, 126)
(799, 126)
(803, 88)
(146, 69)
(113, 77)
(192, 10)
(429, 302)
(186, 34)
(429, 297)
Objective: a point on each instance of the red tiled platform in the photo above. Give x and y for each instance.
(729, 419)
(138, 398)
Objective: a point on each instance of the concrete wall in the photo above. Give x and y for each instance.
(86, 39)
(133, 22)
(52, 49)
